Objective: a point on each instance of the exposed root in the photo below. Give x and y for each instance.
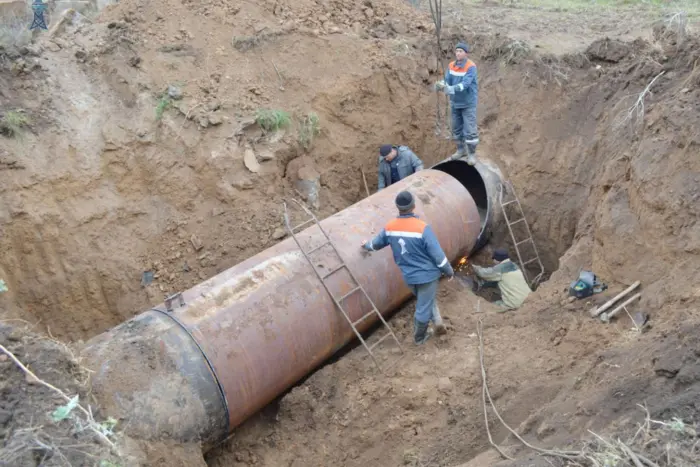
(635, 113)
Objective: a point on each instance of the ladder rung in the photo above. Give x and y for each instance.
(529, 239)
(363, 318)
(388, 334)
(349, 293)
(333, 271)
(509, 202)
(302, 224)
(519, 220)
(318, 248)
(530, 261)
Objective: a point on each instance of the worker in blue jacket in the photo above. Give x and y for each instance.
(462, 85)
(418, 254)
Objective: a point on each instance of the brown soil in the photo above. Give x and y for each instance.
(100, 188)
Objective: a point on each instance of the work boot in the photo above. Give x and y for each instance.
(421, 332)
(439, 326)
(460, 153)
(471, 154)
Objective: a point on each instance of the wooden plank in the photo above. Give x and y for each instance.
(605, 317)
(596, 311)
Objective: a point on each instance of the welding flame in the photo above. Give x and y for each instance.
(463, 261)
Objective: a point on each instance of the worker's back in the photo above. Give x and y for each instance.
(415, 248)
(513, 286)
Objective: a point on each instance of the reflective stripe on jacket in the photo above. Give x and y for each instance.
(416, 249)
(463, 76)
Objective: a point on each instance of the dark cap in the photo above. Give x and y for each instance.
(385, 150)
(500, 254)
(405, 201)
(463, 46)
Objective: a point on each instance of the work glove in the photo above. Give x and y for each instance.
(440, 85)
(449, 90)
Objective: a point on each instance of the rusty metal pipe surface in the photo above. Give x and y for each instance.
(267, 322)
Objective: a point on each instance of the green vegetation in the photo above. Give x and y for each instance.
(12, 123)
(163, 104)
(272, 120)
(309, 128)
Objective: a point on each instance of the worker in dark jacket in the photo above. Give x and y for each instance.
(418, 254)
(396, 163)
(461, 84)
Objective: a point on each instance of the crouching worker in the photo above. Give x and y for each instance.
(509, 279)
(418, 254)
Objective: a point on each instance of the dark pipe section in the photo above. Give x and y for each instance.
(470, 178)
(483, 182)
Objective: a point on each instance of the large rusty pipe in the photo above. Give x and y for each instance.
(249, 333)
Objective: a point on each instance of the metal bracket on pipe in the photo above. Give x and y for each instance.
(169, 301)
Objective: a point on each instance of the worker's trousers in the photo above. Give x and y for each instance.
(426, 309)
(464, 129)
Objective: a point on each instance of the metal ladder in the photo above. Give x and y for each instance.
(323, 277)
(503, 190)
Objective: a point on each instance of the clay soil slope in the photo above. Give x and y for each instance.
(140, 170)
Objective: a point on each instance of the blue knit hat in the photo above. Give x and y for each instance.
(500, 254)
(463, 46)
(405, 201)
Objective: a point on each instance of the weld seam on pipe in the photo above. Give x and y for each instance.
(222, 392)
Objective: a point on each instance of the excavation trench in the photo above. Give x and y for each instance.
(243, 337)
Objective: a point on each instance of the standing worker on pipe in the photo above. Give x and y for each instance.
(419, 255)
(462, 85)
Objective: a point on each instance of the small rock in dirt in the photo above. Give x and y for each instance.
(445, 385)
(135, 61)
(81, 55)
(217, 211)
(215, 118)
(196, 242)
(31, 50)
(14, 336)
(30, 379)
(186, 267)
(174, 92)
(279, 233)
(53, 46)
(243, 184)
(250, 161)
(203, 121)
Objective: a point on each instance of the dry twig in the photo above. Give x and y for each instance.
(364, 179)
